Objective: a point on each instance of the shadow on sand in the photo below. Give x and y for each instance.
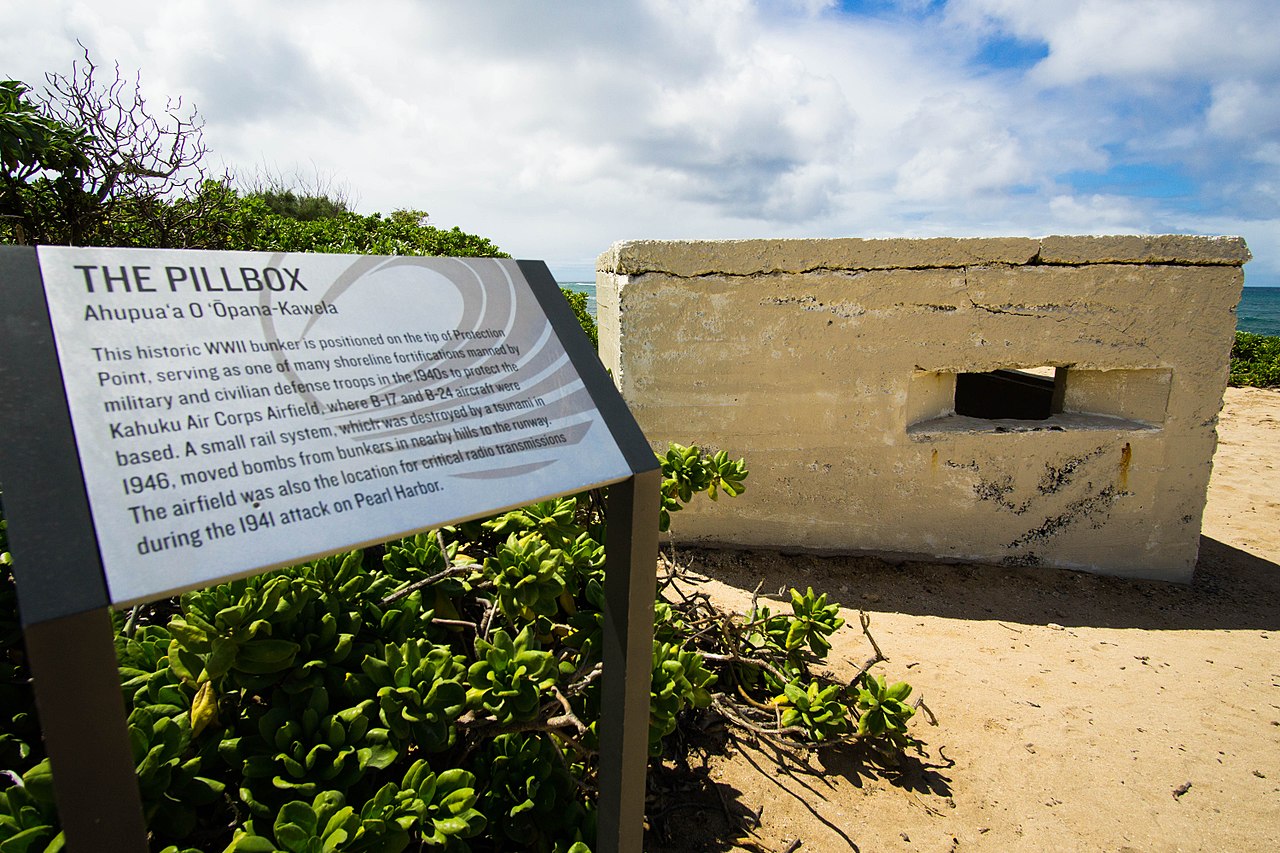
(688, 810)
(1231, 589)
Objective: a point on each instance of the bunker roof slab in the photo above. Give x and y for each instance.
(755, 257)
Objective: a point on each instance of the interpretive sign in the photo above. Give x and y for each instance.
(235, 411)
(176, 418)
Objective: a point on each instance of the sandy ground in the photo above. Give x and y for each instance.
(1076, 712)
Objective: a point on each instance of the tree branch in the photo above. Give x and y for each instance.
(452, 571)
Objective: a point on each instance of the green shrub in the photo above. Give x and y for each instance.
(578, 302)
(1255, 360)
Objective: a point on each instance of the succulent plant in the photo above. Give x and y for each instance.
(299, 749)
(680, 681)
(528, 791)
(529, 576)
(419, 692)
(819, 710)
(509, 677)
(883, 710)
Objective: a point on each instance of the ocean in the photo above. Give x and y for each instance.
(1259, 310)
(587, 287)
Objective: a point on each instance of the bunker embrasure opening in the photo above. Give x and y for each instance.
(1034, 394)
(1045, 398)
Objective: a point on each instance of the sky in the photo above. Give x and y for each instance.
(558, 128)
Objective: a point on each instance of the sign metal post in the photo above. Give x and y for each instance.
(630, 588)
(63, 599)
(149, 397)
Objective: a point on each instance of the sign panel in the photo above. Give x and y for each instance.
(236, 411)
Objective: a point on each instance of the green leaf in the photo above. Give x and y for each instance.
(248, 843)
(898, 692)
(184, 663)
(26, 840)
(267, 652)
(38, 782)
(291, 836)
(222, 655)
(334, 840)
(451, 825)
(189, 636)
(378, 757)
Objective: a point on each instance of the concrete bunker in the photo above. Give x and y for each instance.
(1031, 401)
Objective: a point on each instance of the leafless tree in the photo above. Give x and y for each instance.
(134, 152)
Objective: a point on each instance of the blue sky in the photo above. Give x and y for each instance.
(558, 128)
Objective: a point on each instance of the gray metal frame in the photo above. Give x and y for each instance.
(65, 607)
(63, 599)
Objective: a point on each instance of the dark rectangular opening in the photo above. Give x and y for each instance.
(1011, 394)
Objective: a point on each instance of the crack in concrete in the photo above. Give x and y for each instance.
(1044, 311)
(1060, 314)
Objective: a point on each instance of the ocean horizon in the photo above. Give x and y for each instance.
(1258, 312)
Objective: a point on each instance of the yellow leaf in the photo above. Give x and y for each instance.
(204, 708)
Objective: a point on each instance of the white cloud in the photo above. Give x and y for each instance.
(559, 130)
(1246, 113)
(1133, 38)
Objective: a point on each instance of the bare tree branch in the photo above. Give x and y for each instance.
(132, 151)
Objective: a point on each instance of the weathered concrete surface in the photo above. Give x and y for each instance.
(831, 365)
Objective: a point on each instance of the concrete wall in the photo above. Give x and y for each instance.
(832, 366)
